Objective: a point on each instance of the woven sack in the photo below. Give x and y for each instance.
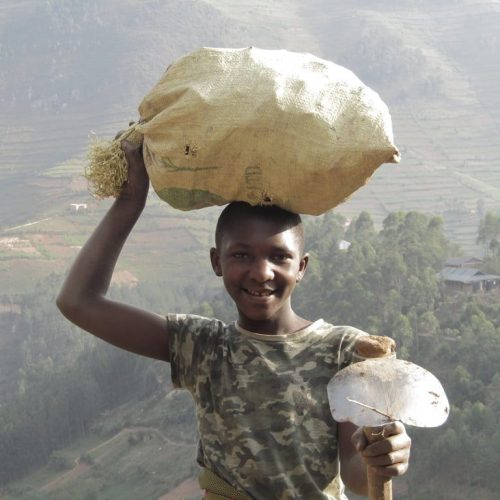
(262, 126)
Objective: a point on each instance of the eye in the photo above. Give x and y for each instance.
(280, 257)
(240, 255)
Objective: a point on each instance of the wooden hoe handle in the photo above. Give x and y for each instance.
(379, 487)
(372, 346)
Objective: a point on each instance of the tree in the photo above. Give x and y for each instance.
(489, 231)
(489, 236)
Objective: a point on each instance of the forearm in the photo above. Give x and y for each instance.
(353, 472)
(82, 298)
(352, 465)
(90, 274)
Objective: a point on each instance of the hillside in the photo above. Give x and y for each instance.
(85, 420)
(435, 64)
(116, 448)
(69, 68)
(162, 243)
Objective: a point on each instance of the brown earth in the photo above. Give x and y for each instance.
(10, 308)
(187, 489)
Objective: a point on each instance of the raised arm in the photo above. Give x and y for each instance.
(82, 298)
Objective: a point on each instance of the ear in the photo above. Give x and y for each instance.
(302, 267)
(215, 260)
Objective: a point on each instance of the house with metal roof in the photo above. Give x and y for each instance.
(473, 262)
(468, 279)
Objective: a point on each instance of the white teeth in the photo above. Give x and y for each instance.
(260, 294)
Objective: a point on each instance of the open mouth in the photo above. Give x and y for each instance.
(258, 293)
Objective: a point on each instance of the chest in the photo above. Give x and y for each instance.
(269, 380)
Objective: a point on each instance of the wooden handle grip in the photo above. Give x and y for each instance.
(379, 487)
(372, 346)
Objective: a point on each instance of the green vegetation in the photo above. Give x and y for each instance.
(67, 67)
(130, 459)
(42, 250)
(489, 237)
(386, 284)
(76, 406)
(64, 380)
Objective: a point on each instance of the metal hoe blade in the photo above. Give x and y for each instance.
(377, 391)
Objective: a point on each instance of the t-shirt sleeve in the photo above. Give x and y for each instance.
(192, 340)
(347, 345)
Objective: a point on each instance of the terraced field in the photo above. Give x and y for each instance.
(435, 63)
(448, 134)
(149, 460)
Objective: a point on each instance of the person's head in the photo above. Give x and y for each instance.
(259, 253)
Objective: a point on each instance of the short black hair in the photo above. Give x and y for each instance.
(237, 211)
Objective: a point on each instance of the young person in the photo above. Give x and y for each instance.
(259, 384)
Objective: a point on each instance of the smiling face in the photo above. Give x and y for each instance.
(261, 262)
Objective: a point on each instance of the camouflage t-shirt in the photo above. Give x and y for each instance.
(262, 409)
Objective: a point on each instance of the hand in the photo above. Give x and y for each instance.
(390, 456)
(136, 187)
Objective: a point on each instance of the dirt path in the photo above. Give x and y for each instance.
(26, 225)
(70, 475)
(112, 443)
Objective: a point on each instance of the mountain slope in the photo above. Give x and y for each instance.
(435, 65)
(69, 67)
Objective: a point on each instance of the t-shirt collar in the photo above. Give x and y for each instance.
(272, 337)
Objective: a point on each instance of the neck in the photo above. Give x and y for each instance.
(274, 326)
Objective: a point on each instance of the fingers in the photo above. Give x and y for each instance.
(394, 428)
(135, 160)
(121, 132)
(132, 151)
(137, 185)
(393, 470)
(390, 464)
(395, 438)
(389, 456)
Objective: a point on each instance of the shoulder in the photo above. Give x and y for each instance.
(188, 331)
(194, 323)
(193, 340)
(337, 342)
(327, 330)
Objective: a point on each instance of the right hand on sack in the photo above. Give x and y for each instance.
(135, 189)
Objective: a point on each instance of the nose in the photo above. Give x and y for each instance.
(261, 271)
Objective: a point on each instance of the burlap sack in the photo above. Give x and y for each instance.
(262, 126)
